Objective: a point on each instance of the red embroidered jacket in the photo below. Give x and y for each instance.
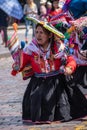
(40, 64)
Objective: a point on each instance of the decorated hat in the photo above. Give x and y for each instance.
(47, 26)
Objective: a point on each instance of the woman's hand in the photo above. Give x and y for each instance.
(68, 70)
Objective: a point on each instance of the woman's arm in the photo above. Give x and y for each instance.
(70, 66)
(23, 61)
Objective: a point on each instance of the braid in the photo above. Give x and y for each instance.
(52, 45)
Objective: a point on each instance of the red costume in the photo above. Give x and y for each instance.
(44, 63)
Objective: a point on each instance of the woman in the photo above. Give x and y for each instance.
(30, 10)
(55, 9)
(45, 98)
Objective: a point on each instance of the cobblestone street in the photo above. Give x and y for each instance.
(11, 93)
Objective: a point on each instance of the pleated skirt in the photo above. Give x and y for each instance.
(52, 99)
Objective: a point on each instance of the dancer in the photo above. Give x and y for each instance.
(45, 98)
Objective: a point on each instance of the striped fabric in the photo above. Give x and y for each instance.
(14, 48)
(27, 72)
(13, 43)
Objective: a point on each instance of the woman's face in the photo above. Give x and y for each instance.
(55, 4)
(49, 6)
(42, 36)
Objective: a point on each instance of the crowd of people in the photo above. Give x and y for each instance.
(56, 67)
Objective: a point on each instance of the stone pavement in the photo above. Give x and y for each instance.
(11, 95)
(4, 52)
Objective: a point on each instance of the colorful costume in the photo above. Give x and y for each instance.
(50, 94)
(40, 99)
(78, 9)
(76, 45)
(75, 36)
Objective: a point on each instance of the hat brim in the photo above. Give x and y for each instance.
(47, 26)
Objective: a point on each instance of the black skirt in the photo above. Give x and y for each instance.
(53, 99)
(80, 76)
(77, 100)
(46, 100)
